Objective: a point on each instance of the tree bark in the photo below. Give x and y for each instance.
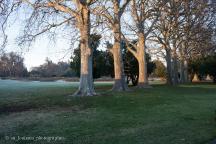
(141, 57)
(119, 83)
(184, 64)
(169, 67)
(86, 87)
(182, 76)
(175, 68)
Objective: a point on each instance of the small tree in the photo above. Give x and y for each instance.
(160, 69)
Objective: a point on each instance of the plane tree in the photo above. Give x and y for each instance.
(110, 12)
(144, 14)
(48, 16)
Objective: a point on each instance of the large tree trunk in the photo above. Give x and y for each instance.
(184, 65)
(185, 61)
(120, 83)
(141, 58)
(86, 87)
(175, 68)
(169, 67)
(184, 71)
(182, 76)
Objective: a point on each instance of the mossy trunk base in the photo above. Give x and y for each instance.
(120, 85)
(86, 87)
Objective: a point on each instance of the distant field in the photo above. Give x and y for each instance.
(34, 112)
(5, 84)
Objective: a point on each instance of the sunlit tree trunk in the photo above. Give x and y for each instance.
(86, 87)
(119, 83)
(141, 57)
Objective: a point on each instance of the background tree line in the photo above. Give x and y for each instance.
(204, 66)
(11, 65)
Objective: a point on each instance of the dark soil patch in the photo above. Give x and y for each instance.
(22, 108)
(15, 108)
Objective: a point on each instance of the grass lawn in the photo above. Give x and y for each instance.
(161, 115)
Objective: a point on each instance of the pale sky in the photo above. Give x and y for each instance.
(42, 48)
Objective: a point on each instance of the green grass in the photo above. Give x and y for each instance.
(162, 115)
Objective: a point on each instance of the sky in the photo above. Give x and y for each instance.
(41, 49)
